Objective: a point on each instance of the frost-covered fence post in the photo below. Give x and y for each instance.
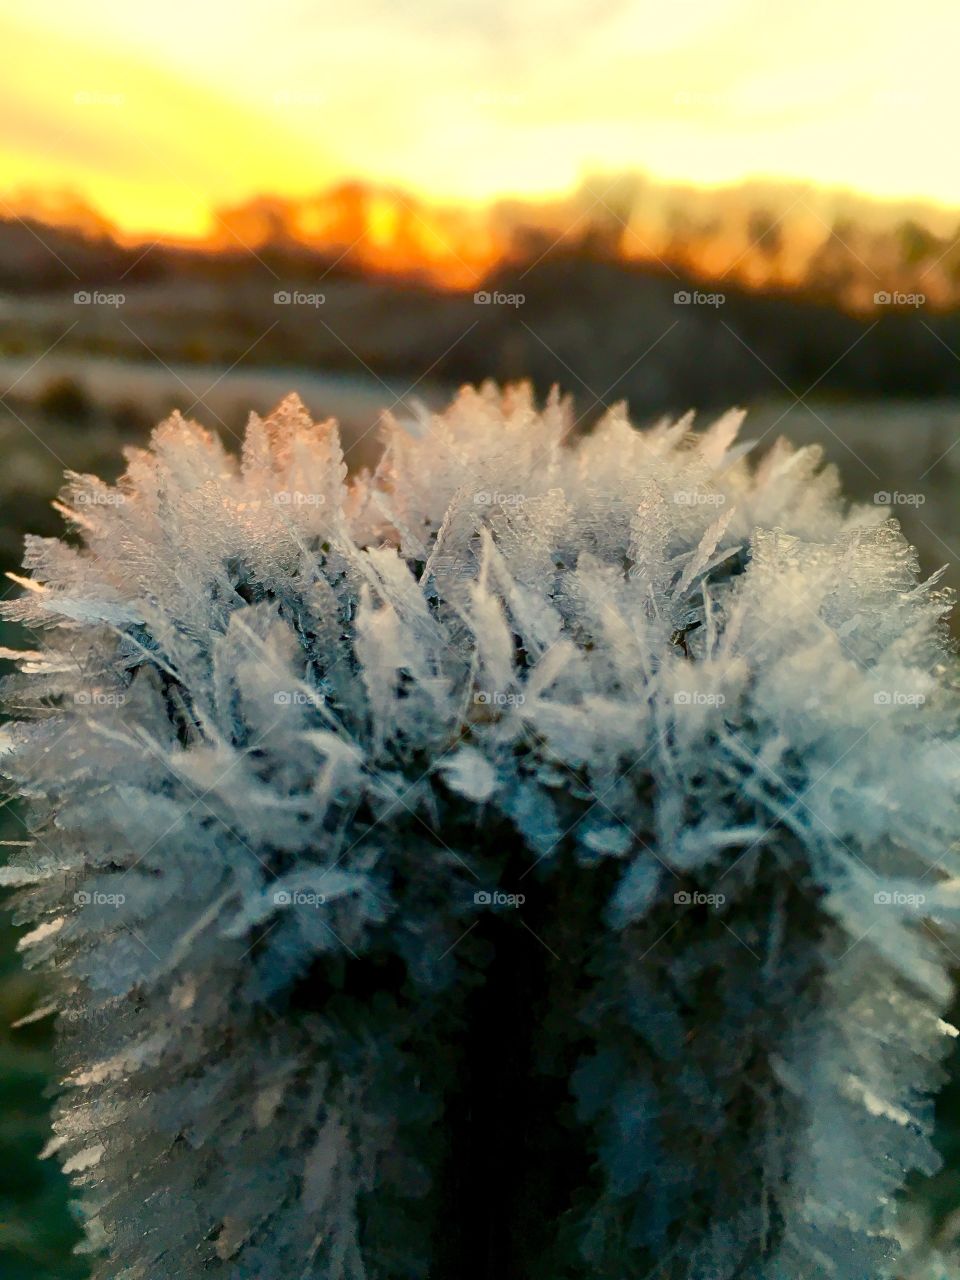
(533, 858)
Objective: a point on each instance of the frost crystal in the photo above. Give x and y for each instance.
(533, 858)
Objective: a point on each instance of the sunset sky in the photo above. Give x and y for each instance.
(156, 114)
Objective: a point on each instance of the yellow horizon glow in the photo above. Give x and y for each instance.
(156, 119)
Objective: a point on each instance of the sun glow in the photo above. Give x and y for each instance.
(168, 124)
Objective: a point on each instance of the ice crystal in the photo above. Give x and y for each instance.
(545, 834)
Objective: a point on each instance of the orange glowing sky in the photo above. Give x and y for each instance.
(157, 114)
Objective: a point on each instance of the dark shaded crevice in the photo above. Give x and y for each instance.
(514, 1161)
